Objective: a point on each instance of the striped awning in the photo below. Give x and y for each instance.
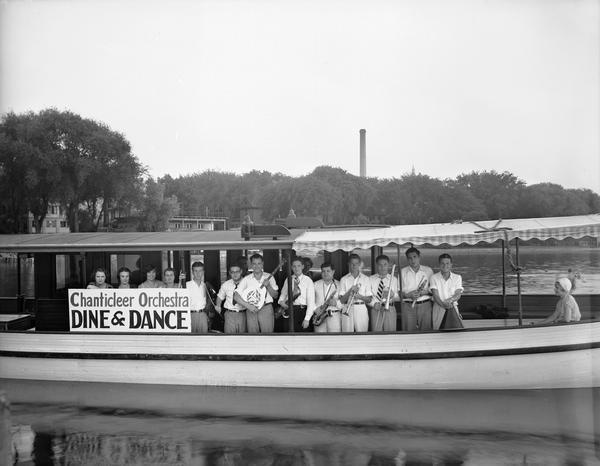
(452, 234)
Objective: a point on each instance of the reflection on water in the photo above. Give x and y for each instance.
(208, 426)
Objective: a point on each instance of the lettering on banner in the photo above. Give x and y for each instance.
(132, 310)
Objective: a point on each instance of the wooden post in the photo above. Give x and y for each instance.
(18, 274)
(503, 277)
(288, 269)
(519, 282)
(212, 268)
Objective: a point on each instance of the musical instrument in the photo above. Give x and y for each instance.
(321, 312)
(257, 296)
(420, 288)
(386, 306)
(350, 302)
(281, 264)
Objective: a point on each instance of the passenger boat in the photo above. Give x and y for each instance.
(488, 354)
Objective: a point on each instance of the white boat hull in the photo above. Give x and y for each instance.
(563, 356)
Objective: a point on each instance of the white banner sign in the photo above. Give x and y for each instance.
(145, 310)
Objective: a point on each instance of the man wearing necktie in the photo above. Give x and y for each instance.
(234, 314)
(383, 319)
(303, 297)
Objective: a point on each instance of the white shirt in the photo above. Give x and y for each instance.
(197, 295)
(323, 290)
(249, 281)
(307, 294)
(412, 279)
(226, 295)
(446, 288)
(362, 281)
(388, 281)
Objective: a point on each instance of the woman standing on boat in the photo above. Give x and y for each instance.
(567, 309)
(151, 281)
(124, 274)
(447, 289)
(99, 280)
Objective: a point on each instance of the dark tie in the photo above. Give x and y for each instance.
(380, 290)
(296, 292)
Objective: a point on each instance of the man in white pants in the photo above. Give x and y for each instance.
(326, 296)
(383, 284)
(446, 288)
(357, 286)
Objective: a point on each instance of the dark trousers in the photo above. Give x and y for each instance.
(299, 314)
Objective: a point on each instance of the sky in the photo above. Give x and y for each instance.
(444, 87)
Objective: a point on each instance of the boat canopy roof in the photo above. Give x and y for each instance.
(139, 241)
(453, 234)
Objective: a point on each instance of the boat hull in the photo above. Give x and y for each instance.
(564, 356)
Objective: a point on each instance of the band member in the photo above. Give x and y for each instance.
(355, 294)
(384, 288)
(233, 313)
(416, 310)
(303, 294)
(447, 289)
(259, 290)
(151, 280)
(198, 299)
(327, 300)
(169, 278)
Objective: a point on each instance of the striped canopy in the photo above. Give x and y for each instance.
(452, 234)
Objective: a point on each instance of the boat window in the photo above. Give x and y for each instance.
(133, 262)
(69, 268)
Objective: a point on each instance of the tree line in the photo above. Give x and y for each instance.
(338, 197)
(58, 157)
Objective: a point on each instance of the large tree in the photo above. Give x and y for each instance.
(68, 159)
(500, 193)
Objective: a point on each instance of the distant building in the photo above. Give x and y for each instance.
(197, 223)
(55, 221)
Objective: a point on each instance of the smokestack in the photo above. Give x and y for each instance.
(363, 153)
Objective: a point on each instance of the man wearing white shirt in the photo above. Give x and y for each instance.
(383, 318)
(197, 291)
(447, 289)
(416, 313)
(234, 314)
(327, 300)
(260, 290)
(303, 294)
(357, 286)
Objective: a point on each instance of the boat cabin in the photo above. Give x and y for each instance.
(65, 261)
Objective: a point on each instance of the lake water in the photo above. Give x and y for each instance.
(94, 424)
(480, 268)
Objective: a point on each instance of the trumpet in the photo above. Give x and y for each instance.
(346, 310)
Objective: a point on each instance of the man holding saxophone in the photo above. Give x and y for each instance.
(384, 288)
(355, 294)
(416, 297)
(327, 317)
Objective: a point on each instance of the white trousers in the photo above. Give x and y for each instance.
(331, 324)
(357, 319)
